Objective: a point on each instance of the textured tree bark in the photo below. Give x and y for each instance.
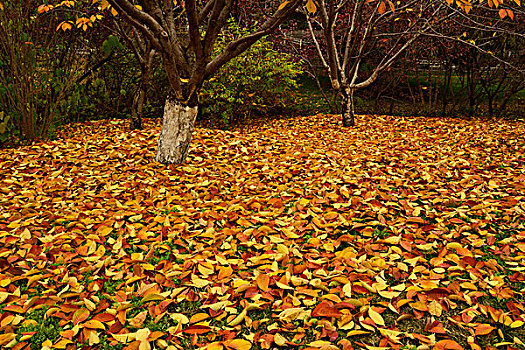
(348, 110)
(177, 129)
(140, 95)
(137, 108)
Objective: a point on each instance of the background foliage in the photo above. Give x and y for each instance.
(260, 81)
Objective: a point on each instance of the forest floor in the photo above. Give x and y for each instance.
(400, 233)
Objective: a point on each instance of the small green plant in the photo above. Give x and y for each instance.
(47, 328)
(381, 234)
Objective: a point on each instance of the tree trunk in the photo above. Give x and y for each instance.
(348, 110)
(140, 95)
(137, 107)
(177, 129)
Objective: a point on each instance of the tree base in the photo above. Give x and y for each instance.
(348, 121)
(177, 129)
(347, 111)
(135, 124)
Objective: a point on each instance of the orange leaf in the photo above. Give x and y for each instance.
(214, 346)
(80, 316)
(262, 282)
(483, 329)
(225, 272)
(94, 324)
(325, 309)
(199, 317)
(283, 5)
(382, 8)
(447, 344)
(311, 7)
(197, 329)
(392, 7)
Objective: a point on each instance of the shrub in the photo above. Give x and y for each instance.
(37, 66)
(259, 81)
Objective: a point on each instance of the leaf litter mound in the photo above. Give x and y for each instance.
(400, 233)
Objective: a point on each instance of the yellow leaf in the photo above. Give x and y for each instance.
(435, 308)
(3, 296)
(347, 289)
(279, 339)
(137, 256)
(148, 267)
(89, 304)
(5, 282)
(215, 346)
(180, 318)
(94, 324)
(26, 235)
(93, 338)
(62, 344)
(142, 336)
(239, 344)
(283, 286)
(282, 5)
(454, 245)
(517, 324)
(124, 338)
(357, 332)
(205, 271)
(199, 282)
(323, 344)
(238, 319)
(104, 230)
(100, 251)
(376, 317)
(393, 240)
(388, 294)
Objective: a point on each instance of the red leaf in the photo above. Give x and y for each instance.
(438, 293)
(104, 317)
(197, 329)
(325, 309)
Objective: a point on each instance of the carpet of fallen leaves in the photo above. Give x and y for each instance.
(401, 233)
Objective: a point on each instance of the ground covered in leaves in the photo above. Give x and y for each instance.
(401, 233)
